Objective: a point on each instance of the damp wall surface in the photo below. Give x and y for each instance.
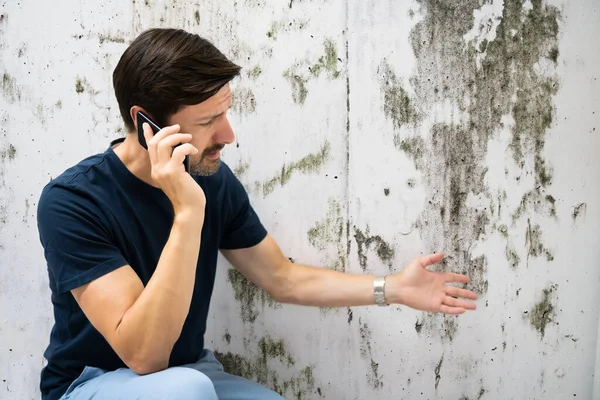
(368, 133)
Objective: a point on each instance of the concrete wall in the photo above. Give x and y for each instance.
(368, 133)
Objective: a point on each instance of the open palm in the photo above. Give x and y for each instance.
(426, 290)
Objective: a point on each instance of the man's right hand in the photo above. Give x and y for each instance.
(167, 170)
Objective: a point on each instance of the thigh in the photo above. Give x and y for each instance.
(232, 387)
(172, 383)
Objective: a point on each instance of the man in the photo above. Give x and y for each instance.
(131, 242)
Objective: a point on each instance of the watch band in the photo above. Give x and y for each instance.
(379, 290)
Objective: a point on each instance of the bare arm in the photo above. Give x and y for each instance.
(142, 324)
(415, 286)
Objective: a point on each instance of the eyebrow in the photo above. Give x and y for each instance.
(209, 118)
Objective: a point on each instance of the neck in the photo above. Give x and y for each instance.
(135, 158)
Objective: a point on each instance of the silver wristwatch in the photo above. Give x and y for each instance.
(379, 290)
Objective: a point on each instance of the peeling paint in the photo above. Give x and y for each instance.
(364, 241)
(306, 165)
(543, 311)
(330, 231)
(249, 296)
(258, 368)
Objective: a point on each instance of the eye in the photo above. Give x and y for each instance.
(205, 123)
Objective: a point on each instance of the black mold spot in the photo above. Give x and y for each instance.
(112, 39)
(386, 191)
(364, 241)
(350, 316)
(79, 86)
(418, 326)
(197, 17)
(227, 337)
(331, 232)
(512, 257)
(579, 209)
(542, 313)
(309, 164)
(437, 372)
(248, 295)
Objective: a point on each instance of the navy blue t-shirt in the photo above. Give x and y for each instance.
(96, 217)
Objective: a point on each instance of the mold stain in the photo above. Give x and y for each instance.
(241, 169)
(328, 62)
(298, 82)
(365, 241)
(328, 232)
(255, 72)
(438, 369)
(250, 297)
(10, 88)
(543, 311)
(374, 378)
(112, 39)
(227, 337)
(264, 367)
(483, 82)
(578, 209)
(533, 241)
(197, 17)
(243, 101)
(301, 72)
(397, 105)
(309, 164)
(512, 257)
(286, 26)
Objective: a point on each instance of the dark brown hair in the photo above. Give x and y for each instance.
(165, 69)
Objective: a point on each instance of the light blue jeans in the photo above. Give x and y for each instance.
(203, 380)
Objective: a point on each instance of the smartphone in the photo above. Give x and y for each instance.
(141, 118)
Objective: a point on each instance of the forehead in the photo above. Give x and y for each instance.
(210, 107)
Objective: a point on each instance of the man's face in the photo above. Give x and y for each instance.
(207, 123)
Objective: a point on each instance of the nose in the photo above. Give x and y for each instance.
(224, 132)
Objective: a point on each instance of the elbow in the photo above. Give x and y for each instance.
(143, 363)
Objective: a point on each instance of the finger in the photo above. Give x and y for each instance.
(431, 259)
(165, 146)
(451, 277)
(452, 302)
(180, 152)
(451, 310)
(160, 135)
(458, 292)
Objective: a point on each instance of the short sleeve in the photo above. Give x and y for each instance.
(243, 227)
(74, 234)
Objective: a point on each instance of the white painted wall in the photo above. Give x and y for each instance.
(363, 353)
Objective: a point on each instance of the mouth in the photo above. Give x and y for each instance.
(214, 154)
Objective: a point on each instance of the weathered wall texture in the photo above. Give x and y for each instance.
(368, 133)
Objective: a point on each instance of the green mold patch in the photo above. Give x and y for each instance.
(298, 83)
(536, 201)
(543, 312)
(254, 72)
(397, 105)
(10, 89)
(365, 242)
(330, 231)
(299, 74)
(309, 164)
(512, 257)
(534, 242)
(414, 147)
(285, 26)
(243, 101)
(265, 367)
(241, 169)
(250, 297)
(82, 85)
(328, 62)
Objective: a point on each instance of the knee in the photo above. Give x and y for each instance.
(187, 384)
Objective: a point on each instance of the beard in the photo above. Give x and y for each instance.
(204, 166)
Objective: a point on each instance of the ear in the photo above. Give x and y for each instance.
(133, 114)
